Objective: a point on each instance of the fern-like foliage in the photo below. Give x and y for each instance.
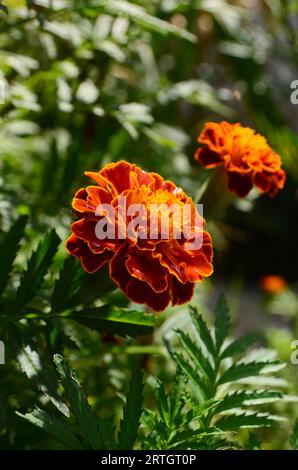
(225, 383)
(78, 427)
(224, 396)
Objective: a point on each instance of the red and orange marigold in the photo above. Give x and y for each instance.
(248, 159)
(152, 271)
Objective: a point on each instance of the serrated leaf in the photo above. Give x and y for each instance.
(162, 403)
(59, 429)
(203, 330)
(246, 420)
(115, 320)
(238, 346)
(66, 285)
(191, 373)
(132, 409)
(37, 268)
(246, 369)
(79, 404)
(9, 248)
(222, 322)
(36, 367)
(196, 354)
(241, 398)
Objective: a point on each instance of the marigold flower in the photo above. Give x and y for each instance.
(246, 156)
(149, 269)
(273, 284)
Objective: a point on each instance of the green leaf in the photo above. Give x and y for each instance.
(33, 362)
(247, 369)
(246, 420)
(9, 248)
(79, 404)
(37, 268)
(254, 442)
(222, 322)
(203, 331)
(294, 436)
(91, 287)
(66, 285)
(194, 375)
(59, 429)
(241, 398)
(238, 346)
(197, 92)
(132, 409)
(115, 320)
(196, 354)
(140, 16)
(163, 403)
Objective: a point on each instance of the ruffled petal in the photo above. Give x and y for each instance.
(140, 292)
(118, 175)
(181, 293)
(118, 270)
(90, 262)
(144, 267)
(85, 229)
(240, 184)
(246, 156)
(208, 158)
(94, 196)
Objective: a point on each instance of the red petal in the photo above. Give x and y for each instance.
(80, 250)
(118, 270)
(93, 197)
(85, 229)
(142, 266)
(239, 184)
(262, 181)
(181, 293)
(207, 157)
(140, 292)
(118, 175)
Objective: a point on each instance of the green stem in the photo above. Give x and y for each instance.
(214, 195)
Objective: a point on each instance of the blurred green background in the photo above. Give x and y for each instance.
(84, 83)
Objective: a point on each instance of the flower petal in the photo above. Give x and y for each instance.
(144, 267)
(90, 262)
(140, 292)
(181, 293)
(238, 183)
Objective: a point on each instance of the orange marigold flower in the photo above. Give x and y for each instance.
(246, 156)
(148, 267)
(273, 284)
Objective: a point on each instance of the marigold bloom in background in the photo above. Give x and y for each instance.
(246, 156)
(273, 284)
(152, 271)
